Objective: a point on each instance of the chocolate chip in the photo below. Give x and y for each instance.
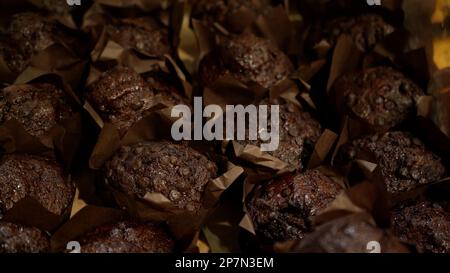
(286, 192)
(174, 195)
(184, 171)
(136, 164)
(404, 172)
(415, 174)
(137, 105)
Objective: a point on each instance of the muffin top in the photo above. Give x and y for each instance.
(404, 161)
(123, 97)
(380, 97)
(351, 235)
(366, 30)
(424, 224)
(127, 237)
(16, 238)
(246, 58)
(299, 132)
(225, 12)
(143, 34)
(39, 178)
(37, 106)
(282, 209)
(178, 172)
(27, 34)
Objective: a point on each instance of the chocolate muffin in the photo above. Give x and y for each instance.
(282, 209)
(380, 97)
(178, 172)
(123, 97)
(16, 238)
(27, 34)
(246, 58)
(404, 161)
(127, 237)
(32, 176)
(37, 106)
(143, 34)
(234, 15)
(349, 235)
(366, 30)
(299, 132)
(423, 224)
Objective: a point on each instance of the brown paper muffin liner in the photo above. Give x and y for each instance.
(106, 51)
(83, 221)
(60, 142)
(63, 16)
(273, 24)
(64, 57)
(169, 13)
